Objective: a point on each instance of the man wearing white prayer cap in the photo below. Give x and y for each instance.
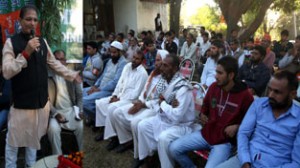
(125, 119)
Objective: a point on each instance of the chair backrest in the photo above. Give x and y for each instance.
(187, 67)
(198, 93)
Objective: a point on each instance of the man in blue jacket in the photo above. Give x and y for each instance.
(107, 82)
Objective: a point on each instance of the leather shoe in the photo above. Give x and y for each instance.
(137, 163)
(95, 129)
(89, 122)
(99, 137)
(112, 144)
(124, 147)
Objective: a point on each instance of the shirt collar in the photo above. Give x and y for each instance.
(293, 110)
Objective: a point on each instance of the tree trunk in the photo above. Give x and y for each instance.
(250, 30)
(232, 11)
(175, 6)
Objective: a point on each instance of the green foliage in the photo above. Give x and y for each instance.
(286, 6)
(209, 17)
(250, 15)
(51, 20)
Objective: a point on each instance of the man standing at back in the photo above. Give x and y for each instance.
(158, 25)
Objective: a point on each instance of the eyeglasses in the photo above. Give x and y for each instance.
(30, 19)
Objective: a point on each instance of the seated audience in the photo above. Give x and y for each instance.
(130, 84)
(150, 55)
(236, 51)
(189, 49)
(169, 43)
(256, 74)
(205, 45)
(283, 46)
(174, 117)
(106, 83)
(105, 52)
(94, 65)
(269, 135)
(125, 119)
(209, 71)
(66, 108)
(133, 48)
(224, 107)
(182, 39)
(121, 38)
(291, 61)
(270, 55)
(159, 40)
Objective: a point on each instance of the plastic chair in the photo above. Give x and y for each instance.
(199, 93)
(187, 68)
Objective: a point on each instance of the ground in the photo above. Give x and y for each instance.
(96, 156)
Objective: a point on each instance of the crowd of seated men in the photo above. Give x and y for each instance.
(150, 106)
(135, 97)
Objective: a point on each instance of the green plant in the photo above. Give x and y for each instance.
(51, 20)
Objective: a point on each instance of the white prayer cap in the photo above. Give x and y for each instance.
(117, 45)
(163, 54)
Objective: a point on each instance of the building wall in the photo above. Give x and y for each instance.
(139, 16)
(147, 12)
(125, 12)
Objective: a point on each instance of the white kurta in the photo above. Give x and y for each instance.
(209, 72)
(189, 51)
(127, 90)
(124, 125)
(157, 132)
(63, 106)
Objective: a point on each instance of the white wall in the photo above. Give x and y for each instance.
(125, 15)
(147, 12)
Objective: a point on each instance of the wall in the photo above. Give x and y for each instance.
(147, 12)
(125, 13)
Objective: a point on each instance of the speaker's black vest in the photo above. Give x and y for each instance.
(30, 86)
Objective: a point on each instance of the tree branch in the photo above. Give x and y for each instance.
(257, 21)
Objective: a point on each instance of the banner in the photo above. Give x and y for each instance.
(13, 5)
(71, 26)
(72, 30)
(9, 17)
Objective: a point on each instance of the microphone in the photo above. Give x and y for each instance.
(32, 35)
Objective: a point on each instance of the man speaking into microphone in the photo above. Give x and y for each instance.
(25, 60)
